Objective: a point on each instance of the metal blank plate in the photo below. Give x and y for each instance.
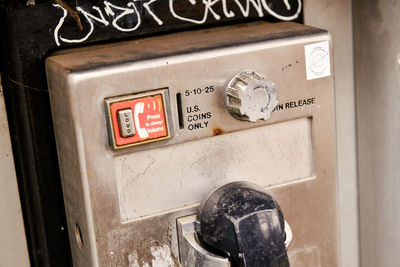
(269, 155)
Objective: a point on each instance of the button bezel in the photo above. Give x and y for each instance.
(114, 134)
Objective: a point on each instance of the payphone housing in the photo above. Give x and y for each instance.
(144, 134)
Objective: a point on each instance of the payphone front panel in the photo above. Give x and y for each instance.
(146, 129)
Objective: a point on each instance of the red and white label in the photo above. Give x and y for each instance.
(148, 116)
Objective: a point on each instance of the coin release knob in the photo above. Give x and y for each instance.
(249, 96)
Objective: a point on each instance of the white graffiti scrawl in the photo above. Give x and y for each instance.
(128, 18)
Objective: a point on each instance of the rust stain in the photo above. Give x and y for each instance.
(217, 131)
(71, 12)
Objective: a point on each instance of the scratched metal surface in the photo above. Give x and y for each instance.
(32, 29)
(139, 235)
(180, 44)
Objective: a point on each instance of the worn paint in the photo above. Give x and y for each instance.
(70, 11)
(161, 258)
(30, 3)
(133, 259)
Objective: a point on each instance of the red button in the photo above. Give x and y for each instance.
(148, 118)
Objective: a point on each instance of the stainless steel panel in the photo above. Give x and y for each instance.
(95, 177)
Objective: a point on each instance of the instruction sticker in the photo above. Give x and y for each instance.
(149, 121)
(317, 60)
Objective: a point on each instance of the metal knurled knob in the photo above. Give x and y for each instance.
(249, 96)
